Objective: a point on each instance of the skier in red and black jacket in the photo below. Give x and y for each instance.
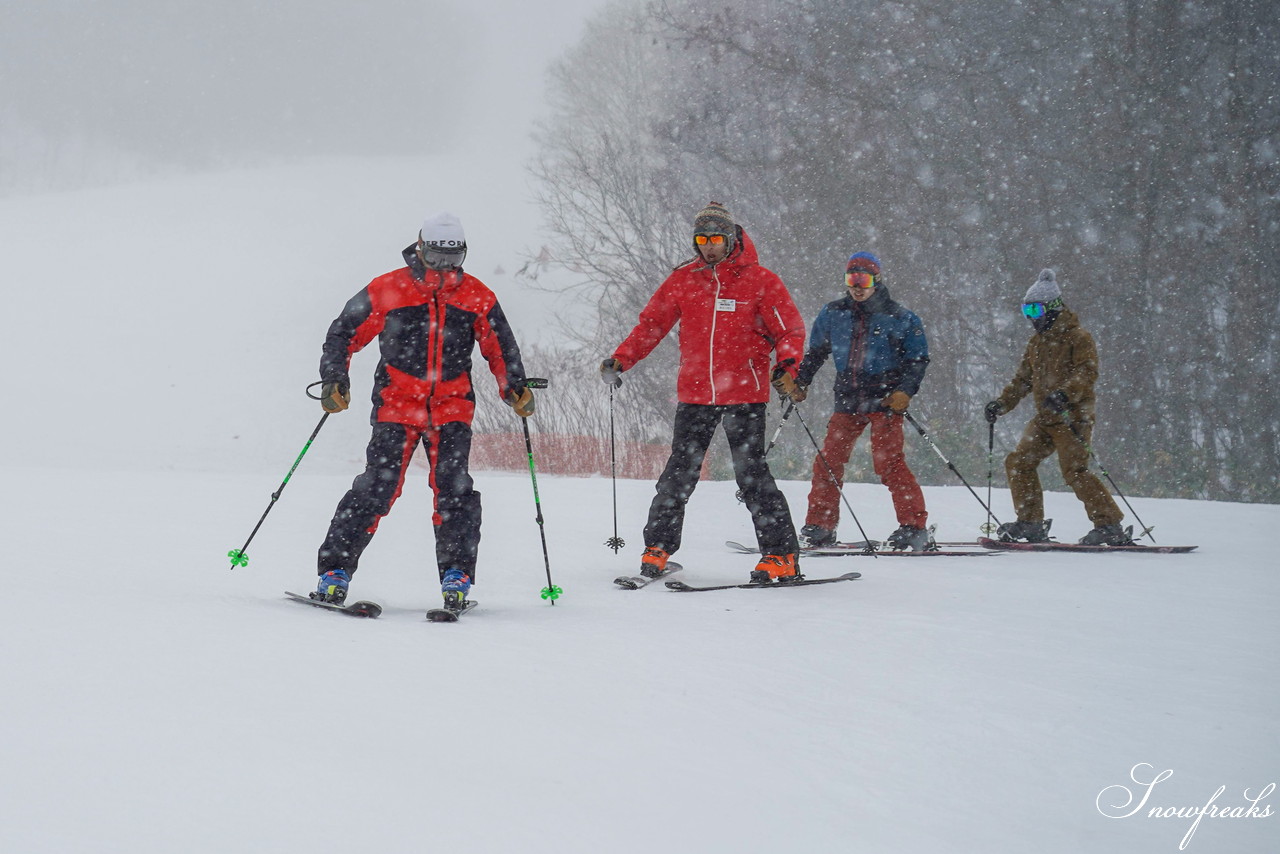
(427, 316)
(733, 313)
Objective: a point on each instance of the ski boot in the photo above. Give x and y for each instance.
(1027, 532)
(653, 562)
(816, 537)
(1108, 535)
(333, 587)
(776, 568)
(454, 586)
(908, 537)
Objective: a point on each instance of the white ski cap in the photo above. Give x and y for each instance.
(443, 229)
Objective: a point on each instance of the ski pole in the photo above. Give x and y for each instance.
(990, 526)
(1146, 531)
(615, 542)
(550, 592)
(835, 480)
(238, 556)
(791, 404)
(925, 435)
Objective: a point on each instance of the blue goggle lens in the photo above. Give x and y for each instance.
(1037, 310)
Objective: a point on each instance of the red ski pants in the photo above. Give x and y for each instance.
(843, 431)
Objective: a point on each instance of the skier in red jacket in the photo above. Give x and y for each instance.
(732, 313)
(428, 317)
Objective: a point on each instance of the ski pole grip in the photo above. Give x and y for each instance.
(536, 382)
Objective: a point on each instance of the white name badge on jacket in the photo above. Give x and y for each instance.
(726, 305)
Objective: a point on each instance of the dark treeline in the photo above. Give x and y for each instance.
(1130, 145)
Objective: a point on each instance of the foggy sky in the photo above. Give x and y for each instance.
(195, 81)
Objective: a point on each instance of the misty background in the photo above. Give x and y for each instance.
(94, 92)
(1131, 146)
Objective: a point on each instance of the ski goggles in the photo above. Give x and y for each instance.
(442, 257)
(713, 239)
(1037, 310)
(859, 279)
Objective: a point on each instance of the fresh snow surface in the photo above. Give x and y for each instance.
(158, 701)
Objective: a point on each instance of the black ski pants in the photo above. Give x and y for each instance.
(744, 427)
(456, 513)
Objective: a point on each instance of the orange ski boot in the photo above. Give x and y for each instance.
(776, 568)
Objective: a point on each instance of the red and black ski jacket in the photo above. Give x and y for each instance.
(732, 316)
(427, 323)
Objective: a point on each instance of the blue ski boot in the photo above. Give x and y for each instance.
(333, 587)
(455, 585)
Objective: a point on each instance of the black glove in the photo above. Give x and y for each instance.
(611, 372)
(1057, 402)
(335, 396)
(993, 410)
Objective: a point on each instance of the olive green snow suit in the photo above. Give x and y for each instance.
(1062, 358)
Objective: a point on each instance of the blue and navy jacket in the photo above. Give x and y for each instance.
(878, 347)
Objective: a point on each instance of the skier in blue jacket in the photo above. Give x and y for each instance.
(880, 354)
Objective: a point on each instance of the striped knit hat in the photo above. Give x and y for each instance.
(714, 219)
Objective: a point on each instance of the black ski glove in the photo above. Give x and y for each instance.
(993, 410)
(611, 372)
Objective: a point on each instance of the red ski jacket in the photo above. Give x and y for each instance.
(731, 317)
(427, 324)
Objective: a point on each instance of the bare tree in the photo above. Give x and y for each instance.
(1132, 146)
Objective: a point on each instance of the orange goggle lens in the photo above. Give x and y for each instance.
(859, 279)
(713, 239)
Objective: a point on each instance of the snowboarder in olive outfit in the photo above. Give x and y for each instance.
(1058, 370)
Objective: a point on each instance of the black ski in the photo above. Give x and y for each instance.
(449, 615)
(353, 609)
(635, 582)
(681, 587)
(860, 550)
(745, 549)
(1079, 547)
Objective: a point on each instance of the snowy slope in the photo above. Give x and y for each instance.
(965, 704)
(157, 701)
